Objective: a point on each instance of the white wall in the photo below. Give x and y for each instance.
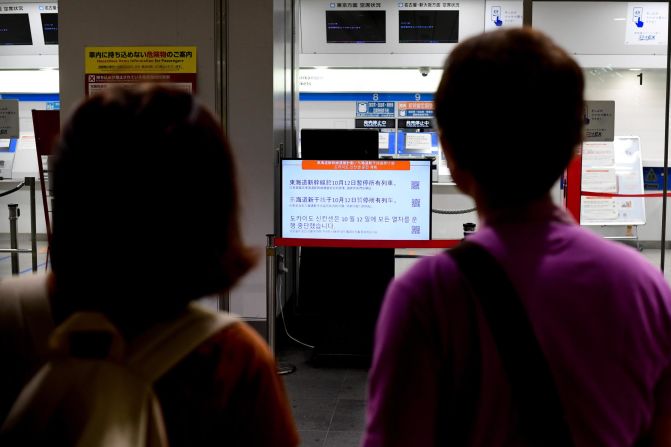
(592, 31)
(251, 108)
(595, 32)
(249, 72)
(316, 51)
(127, 22)
(639, 109)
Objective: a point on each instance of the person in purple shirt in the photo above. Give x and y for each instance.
(510, 112)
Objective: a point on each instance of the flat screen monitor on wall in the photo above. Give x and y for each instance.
(356, 27)
(15, 29)
(418, 143)
(340, 144)
(428, 26)
(356, 199)
(50, 28)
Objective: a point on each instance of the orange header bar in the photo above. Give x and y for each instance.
(356, 165)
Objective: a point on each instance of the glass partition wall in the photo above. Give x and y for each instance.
(622, 47)
(615, 188)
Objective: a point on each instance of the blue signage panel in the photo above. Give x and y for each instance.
(418, 113)
(653, 179)
(31, 96)
(365, 97)
(375, 109)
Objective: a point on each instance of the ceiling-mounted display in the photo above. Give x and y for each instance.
(428, 26)
(15, 29)
(356, 27)
(50, 28)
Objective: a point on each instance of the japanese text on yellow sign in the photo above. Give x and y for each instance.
(101, 60)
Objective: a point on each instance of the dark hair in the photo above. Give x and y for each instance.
(510, 108)
(146, 206)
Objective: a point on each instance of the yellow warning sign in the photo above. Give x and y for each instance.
(139, 60)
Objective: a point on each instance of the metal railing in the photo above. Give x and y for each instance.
(14, 214)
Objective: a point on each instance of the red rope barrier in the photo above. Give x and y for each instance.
(611, 195)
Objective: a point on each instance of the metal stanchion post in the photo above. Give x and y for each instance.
(271, 302)
(14, 214)
(270, 290)
(33, 222)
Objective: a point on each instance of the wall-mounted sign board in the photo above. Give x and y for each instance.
(106, 67)
(599, 120)
(9, 118)
(507, 14)
(647, 23)
(615, 168)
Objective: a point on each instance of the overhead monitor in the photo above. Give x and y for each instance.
(428, 26)
(15, 29)
(339, 144)
(356, 199)
(356, 27)
(417, 136)
(419, 142)
(50, 28)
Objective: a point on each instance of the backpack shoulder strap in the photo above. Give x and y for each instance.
(163, 346)
(541, 416)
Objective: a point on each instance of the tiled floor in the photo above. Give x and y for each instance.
(25, 260)
(328, 403)
(654, 256)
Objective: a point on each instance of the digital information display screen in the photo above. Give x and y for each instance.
(428, 26)
(356, 199)
(418, 143)
(356, 27)
(50, 28)
(15, 29)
